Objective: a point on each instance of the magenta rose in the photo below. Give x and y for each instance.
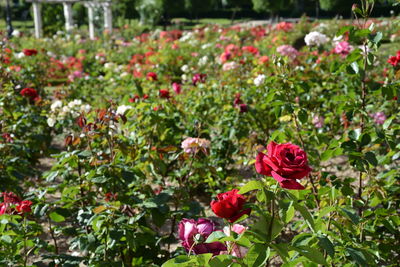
(285, 163)
(202, 228)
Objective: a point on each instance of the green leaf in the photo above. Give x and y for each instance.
(343, 30)
(306, 215)
(365, 139)
(289, 214)
(303, 116)
(181, 260)
(54, 216)
(327, 154)
(351, 215)
(282, 250)
(221, 261)
(387, 123)
(327, 245)
(377, 38)
(357, 256)
(257, 255)
(354, 67)
(371, 158)
(215, 236)
(250, 186)
(312, 254)
(263, 229)
(6, 238)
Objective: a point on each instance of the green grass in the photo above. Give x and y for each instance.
(17, 24)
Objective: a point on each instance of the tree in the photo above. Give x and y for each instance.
(150, 11)
(236, 6)
(271, 6)
(194, 7)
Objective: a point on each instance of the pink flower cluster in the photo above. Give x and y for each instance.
(379, 117)
(193, 145)
(287, 50)
(342, 48)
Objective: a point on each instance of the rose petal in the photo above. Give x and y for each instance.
(261, 167)
(287, 183)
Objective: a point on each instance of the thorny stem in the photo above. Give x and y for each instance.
(366, 9)
(314, 188)
(25, 245)
(52, 235)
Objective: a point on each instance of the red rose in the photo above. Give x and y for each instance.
(243, 108)
(285, 163)
(29, 92)
(151, 76)
(230, 206)
(24, 206)
(29, 52)
(164, 93)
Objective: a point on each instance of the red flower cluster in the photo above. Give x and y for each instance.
(394, 60)
(164, 93)
(285, 163)
(199, 78)
(30, 52)
(230, 206)
(7, 137)
(30, 93)
(250, 49)
(151, 76)
(13, 204)
(239, 103)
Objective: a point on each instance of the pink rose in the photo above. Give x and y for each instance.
(177, 88)
(285, 163)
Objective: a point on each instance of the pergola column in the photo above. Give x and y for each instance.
(37, 18)
(89, 7)
(107, 17)
(69, 23)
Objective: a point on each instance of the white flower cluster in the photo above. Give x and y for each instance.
(122, 109)
(60, 111)
(259, 80)
(203, 61)
(316, 39)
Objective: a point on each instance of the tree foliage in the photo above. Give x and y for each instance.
(271, 5)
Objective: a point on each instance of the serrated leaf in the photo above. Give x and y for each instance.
(351, 215)
(257, 255)
(312, 254)
(357, 256)
(54, 216)
(99, 209)
(327, 245)
(250, 186)
(306, 215)
(215, 236)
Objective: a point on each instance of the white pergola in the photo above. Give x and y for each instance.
(69, 24)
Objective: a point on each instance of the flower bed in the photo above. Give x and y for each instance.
(211, 147)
